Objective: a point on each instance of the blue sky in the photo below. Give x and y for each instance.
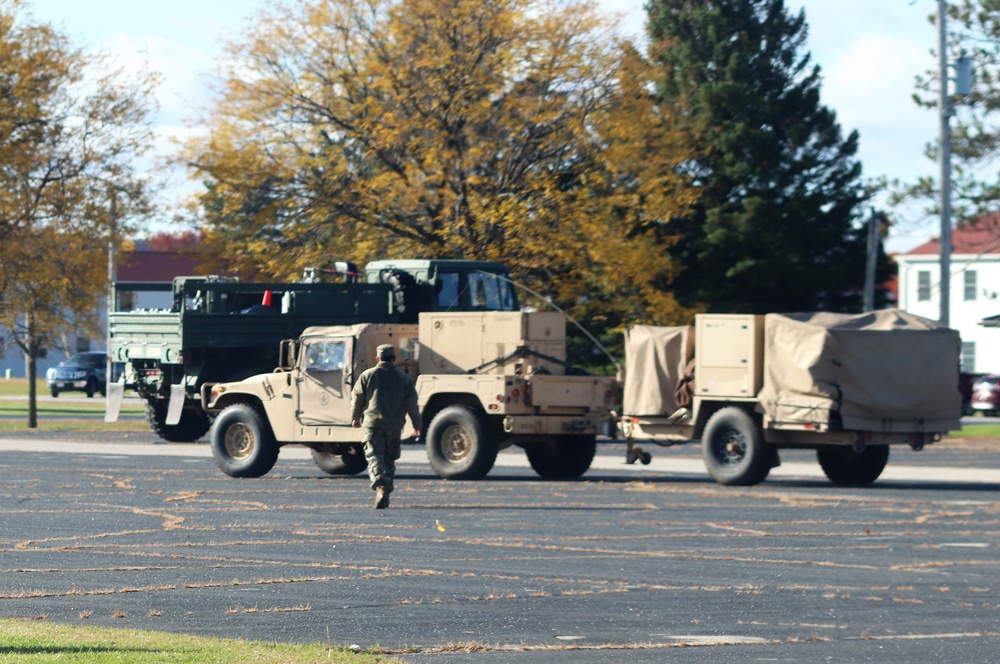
(869, 50)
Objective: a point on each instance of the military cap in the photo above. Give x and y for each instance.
(386, 351)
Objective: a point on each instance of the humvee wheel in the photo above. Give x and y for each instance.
(459, 444)
(351, 462)
(734, 450)
(242, 442)
(844, 466)
(563, 457)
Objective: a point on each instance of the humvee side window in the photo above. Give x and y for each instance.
(447, 289)
(326, 356)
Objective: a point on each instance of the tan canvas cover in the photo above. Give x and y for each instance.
(654, 362)
(881, 371)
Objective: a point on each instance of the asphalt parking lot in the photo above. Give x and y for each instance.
(645, 563)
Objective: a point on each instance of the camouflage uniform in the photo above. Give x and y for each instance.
(384, 396)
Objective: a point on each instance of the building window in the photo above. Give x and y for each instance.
(970, 285)
(923, 286)
(968, 356)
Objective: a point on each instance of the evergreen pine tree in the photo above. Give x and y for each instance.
(779, 225)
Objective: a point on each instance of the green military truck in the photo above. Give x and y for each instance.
(485, 381)
(220, 329)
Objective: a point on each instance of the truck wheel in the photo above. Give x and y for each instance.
(844, 466)
(351, 462)
(91, 388)
(192, 425)
(459, 444)
(734, 450)
(242, 442)
(55, 392)
(562, 458)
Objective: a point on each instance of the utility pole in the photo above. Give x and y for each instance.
(944, 113)
(112, 276)
(871, 263)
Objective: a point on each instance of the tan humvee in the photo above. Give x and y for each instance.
(485, 381)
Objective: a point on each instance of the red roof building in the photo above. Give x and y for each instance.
(974, 288)
(974, 238)
(157, 266)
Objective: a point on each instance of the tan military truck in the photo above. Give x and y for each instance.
(848, 386)
(485, 381)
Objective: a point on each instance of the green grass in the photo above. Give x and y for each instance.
(977, 431)
(12, 387)
(41, 641)
(63, 414)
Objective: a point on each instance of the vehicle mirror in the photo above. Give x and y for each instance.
(287, 352)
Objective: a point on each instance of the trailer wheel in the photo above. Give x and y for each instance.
(734, 450)
(192, 425)
(242, 442)
(459, 444)
(845, 467)
(563, 457)
(351, 462)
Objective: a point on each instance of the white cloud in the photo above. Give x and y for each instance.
(870, 82)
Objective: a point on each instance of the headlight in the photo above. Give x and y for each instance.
(50, 374)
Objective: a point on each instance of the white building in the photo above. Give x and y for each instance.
(974, 294)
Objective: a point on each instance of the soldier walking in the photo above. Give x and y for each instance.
(380, 401)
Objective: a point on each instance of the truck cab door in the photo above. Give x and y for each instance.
(323, 375)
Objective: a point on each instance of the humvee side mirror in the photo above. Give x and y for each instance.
(287, 353)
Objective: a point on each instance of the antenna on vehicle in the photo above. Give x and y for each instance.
(560, 310)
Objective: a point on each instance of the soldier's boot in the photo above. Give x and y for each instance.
(381, 498)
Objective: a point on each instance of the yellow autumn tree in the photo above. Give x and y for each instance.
(70, 131)
(520, 131)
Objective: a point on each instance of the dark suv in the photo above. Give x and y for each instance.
(83, 371)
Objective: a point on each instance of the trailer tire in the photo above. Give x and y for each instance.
(192, 425)
(242, 442)
(734, 450)
(845, 467)
(459, 444)
(563, 457)
(351, 462)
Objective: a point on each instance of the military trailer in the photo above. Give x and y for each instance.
(485, 381)
(847, 386)
(220, 329)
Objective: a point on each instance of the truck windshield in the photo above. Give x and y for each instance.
(489, 292)
(476, 291)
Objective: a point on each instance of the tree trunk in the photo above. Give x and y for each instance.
(32, 388)
(31, 362)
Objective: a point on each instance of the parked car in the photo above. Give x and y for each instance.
(965, 382)
(84, 371)
(986, 395)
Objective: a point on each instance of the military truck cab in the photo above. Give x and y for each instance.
(445, 285)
